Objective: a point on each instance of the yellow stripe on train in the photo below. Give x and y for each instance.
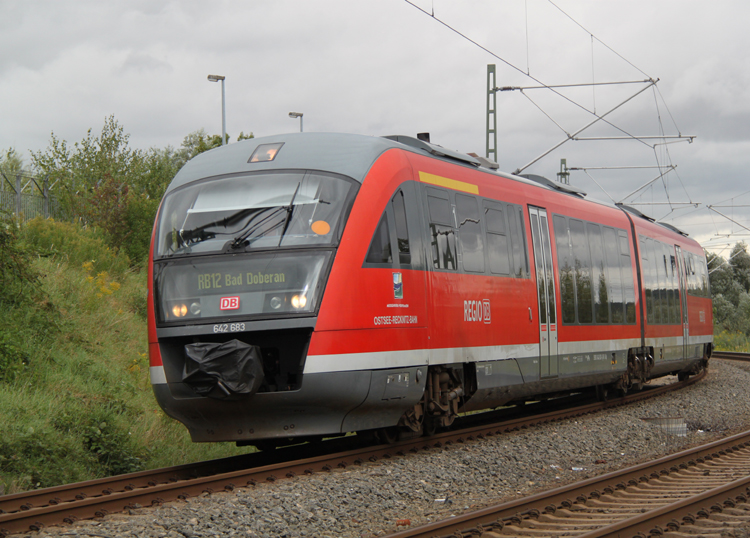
(432, 179)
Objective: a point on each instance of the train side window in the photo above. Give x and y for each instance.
(582, 273)
(674, 302)
(647, 277)
(565, 267)
(598, 274)
(518, 241)
(695, 277)
(658, 281)
(615, 297)
(470, 233)
(402, 231)
(704, 282)
(380, 247)
(442, 233)
(666, 290)
(628, 286)
(497, 238)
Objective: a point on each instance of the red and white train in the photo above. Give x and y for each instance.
(313, 284)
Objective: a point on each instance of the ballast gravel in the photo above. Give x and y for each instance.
(380, 498)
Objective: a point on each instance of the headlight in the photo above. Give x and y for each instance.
(299, 301)
(180, 310)
(276, 302)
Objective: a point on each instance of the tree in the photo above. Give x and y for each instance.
(198, 142)
(10, 163)
(104, 182)
(739, 259)
(730, 289)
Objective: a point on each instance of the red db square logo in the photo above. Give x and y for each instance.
(229, 303)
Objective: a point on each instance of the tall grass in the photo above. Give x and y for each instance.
(79, 404)
(732, 341)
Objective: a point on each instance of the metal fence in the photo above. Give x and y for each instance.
(27, 197)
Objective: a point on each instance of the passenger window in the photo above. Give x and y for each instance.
(470, 233)
(402, 231)
(612, 253)
(582, 271)
(656, 279)
(497, 239)
(626, 270)
(380, 248)
(442, 233)
(565, 267)
(518, 241)
(598, 274)
(647, 276)
(440, 207)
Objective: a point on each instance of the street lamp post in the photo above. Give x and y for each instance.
(217, 78)
(297, 115)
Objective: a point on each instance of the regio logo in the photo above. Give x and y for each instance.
(477, 311)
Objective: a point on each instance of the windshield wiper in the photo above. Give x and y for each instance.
(240, 239)
(289, 211)
(196, 235)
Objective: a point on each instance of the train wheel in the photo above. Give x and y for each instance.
(683, 376)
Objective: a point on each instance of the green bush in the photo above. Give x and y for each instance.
(732, 341)
(75, 244)
(18, 281)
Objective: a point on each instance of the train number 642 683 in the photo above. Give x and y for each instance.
(229, 327)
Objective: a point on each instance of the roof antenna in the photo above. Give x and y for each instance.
(424, 137)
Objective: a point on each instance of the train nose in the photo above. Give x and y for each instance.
(232, 370)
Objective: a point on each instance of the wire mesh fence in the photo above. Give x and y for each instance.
(27, 197)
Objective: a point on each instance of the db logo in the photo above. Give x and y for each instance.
(229, 303)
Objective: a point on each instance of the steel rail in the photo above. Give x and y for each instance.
(731, 355)
(671, 516)
(36, 509)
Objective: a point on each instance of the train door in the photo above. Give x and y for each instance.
(683, 299)
(545, 280)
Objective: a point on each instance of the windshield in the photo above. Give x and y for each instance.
(253, 211)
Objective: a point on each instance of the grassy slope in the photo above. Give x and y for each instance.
(82, 406)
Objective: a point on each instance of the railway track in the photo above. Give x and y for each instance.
(36, 509)
(702, 491)
(731, 355)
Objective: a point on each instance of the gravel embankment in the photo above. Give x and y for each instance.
(370, 500)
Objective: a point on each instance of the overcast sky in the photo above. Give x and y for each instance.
(382, 67)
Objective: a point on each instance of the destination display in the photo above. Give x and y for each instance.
(239, 285)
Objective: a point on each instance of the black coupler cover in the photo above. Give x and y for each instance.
(229, 371)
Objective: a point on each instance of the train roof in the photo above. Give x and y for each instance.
(347, 154)
(351, 155)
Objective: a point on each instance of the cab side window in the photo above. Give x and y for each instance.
(391, 240)
(380, 248)
(402, 230)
